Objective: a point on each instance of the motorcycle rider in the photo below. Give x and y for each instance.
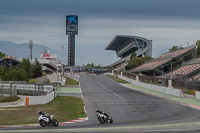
(44, 114)
(99, 111)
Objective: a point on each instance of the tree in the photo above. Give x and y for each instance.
(135, 62)
(37, 69)
(2, 55)
(198, 48)
(175, 48)
(15, 74)
(90, 65)
(26, 65)
(1, 72)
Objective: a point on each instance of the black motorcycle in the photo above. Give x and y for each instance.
(103, 117)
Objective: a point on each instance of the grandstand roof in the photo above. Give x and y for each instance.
(162, 60)
(121, 39)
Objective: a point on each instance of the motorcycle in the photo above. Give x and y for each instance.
(103, 117)
(47, 120)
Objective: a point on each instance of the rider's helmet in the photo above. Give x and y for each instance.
(97, 110)
(40, 112)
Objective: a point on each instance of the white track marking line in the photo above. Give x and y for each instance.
(111, 91)
(105, 88)
(82, 97)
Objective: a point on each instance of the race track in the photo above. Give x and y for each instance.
(127, 107)
(130, 107)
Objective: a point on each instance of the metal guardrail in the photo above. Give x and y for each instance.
(25, 89)
(8, 90)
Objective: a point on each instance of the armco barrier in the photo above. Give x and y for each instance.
(34, 100)
(171, 91)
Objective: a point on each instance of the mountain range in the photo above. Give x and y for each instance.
(22, 50)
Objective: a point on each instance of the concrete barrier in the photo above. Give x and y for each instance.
(197, 95)
(108, 74)
(34, 100)
(166, 90)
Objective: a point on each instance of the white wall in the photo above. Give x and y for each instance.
(171, 91)
(108, 74)
(34, 100)
(197, 94)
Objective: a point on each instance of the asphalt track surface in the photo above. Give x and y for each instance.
(128, 108)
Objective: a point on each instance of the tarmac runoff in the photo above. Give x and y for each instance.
(190, 102)
(69, 91)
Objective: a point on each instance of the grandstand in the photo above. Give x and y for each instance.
(196, 77)
(188, 69)
(49, 61)
(48, 66)
(162, 64)
(125, 46)
(9, 61)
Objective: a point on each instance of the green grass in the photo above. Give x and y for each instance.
(9, 99)
(115, 78)
(32, 80)
(63, 108)
(70, 82)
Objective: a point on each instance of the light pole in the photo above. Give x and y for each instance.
(62, 69)
(30, 46)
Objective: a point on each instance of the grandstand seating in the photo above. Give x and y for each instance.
(120, 64)
(196, 77)
(162, 60)
(151, 65)
(184, 70)
(194, 61)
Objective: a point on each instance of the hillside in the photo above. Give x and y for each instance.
(22, 50)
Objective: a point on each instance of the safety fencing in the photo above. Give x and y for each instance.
(8, 89)
(14, 89)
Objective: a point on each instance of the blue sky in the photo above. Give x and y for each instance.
(166, 22)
